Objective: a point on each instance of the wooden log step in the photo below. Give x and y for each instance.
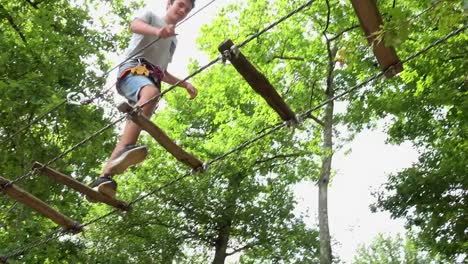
(140, 119)
(80, 187)
(39, 206)
(257, 81)
(371, 22)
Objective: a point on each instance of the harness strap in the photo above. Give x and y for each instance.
(144, 68)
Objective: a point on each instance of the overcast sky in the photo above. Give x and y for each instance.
(357, 174)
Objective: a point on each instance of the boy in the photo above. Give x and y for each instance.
(139, 80)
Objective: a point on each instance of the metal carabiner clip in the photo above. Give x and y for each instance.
(77, 98)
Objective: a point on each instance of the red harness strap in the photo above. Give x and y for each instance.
(145, 69)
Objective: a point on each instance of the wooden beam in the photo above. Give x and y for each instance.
(39, 206)
(257, 81)
(161, 137)
(371, 22)
(80, 187)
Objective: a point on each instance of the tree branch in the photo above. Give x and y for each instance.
(331, 64)
(344, 31)
(251, 245)
(312, 93)
(33, 4)
(159, 222)
(188, 210)
(287, 58)
(283, 156)
(317, 120)
(434, 5)
(12, 23)
(328, 18)
(454, 58)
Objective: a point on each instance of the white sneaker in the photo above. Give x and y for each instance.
(130, 155)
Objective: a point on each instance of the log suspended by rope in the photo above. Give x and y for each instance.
(256, 80)
(371, 22)
(80, 187)
(162, 138)
(39, 206)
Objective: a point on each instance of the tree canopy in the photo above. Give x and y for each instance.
(244, 204)
(386, 250)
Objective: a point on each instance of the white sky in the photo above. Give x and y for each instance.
(358, 173)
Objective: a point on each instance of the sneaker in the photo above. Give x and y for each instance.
(105, 185)
(130, 155)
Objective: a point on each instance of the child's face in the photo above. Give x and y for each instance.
(178, 10)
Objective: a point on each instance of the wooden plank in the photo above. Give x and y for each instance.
(162, 138)
(257, 81)
(39, 206)
(371, 21)
(80, 187)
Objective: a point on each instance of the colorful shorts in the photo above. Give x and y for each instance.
(131, 84)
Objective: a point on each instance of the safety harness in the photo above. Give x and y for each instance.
(144, 68)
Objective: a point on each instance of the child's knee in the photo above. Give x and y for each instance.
(148, 92)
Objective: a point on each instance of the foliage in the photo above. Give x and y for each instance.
(388, 250)
(246, 196)
(48, 49)
(426, 105)
(244, 203)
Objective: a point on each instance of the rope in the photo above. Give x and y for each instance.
(34, 121)
(47, 238)
(305, 115)
(100, 94)
(100, 131)
(245, 42)
(31, 173)
(217, 59)
(201, 69)
(63, 154)
(411, 57)
(209, 64)
(144, 48)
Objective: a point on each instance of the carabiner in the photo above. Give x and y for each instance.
(77, 98)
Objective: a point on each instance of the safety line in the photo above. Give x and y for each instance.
(218, 58)
(99, 94)
(305, 115)
(245, 42)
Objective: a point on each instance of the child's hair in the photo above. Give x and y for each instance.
(193, 3)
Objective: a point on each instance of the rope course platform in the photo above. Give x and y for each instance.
(256, 80)
(161, 137)
(371, 22)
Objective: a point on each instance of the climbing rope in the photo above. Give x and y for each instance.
(245, 42)
(57, 233)
(79, 98)
(157, 97)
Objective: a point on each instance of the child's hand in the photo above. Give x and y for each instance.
(166, 31)
(191, 90)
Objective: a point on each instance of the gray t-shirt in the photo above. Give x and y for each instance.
(159, 53)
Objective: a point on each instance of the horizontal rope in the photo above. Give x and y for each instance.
(63, 102)
(305, 115)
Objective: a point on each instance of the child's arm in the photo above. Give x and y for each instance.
(141, 27)
(171, 79)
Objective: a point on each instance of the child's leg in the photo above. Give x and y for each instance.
(132, 130)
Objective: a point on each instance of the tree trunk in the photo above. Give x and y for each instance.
(324, 232)
(221, 244)
(325, 247)
(224, 231)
